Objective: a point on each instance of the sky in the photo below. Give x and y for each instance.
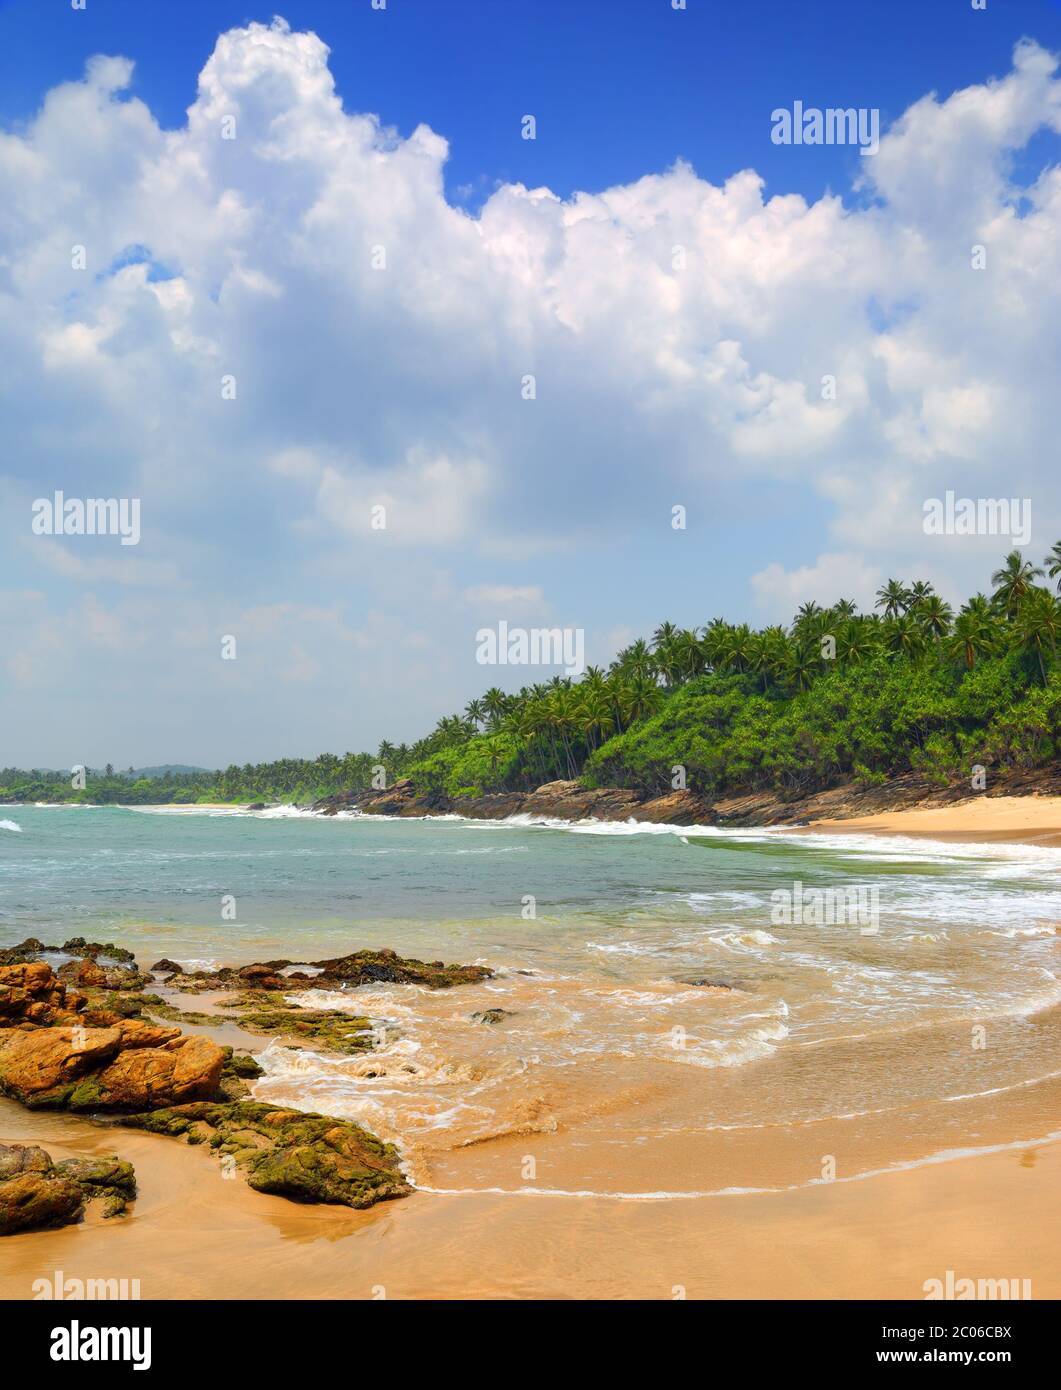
(264, 275)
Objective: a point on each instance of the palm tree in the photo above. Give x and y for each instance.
(636, 659)
(903, 636)
(975, 633)
(1053, 563)
(641, 698)
(688, 653)
(893, 598)
(666, 632)
(495, 706)
(920, 592)
(714, 643)
(1037, 626)
(802, 662)
(595, 717)
(857, 641)
(934, 615)
(475, 710)
(737, 649)
(1013, 582)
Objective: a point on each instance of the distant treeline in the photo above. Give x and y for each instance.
(291, 780)
(912, 686)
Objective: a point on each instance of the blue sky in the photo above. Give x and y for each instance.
(621, 87)
(657, 386)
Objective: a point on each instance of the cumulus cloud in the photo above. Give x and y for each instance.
(377, 343)
(779, 592)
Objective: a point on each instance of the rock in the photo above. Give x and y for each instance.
(166, 967)
(382, 966)
(245, 1066)
(55, 1056)
(27, 950)
(89, 974)
(78, 946)
(108, 1179)
(492, 1015)
(185, 1069)
(330, 1029)
(306, 1157)
(29, 993)
(676, 808)
(32, 949)
(35, 1192)
(255, 806)
(34, 1200)
(41, 1067)
(22, 1158)
(385, 966)
(561, 800)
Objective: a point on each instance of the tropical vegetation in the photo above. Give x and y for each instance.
(910, 686)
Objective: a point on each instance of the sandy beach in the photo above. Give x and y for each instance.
(193, 1234)
(1031, 820)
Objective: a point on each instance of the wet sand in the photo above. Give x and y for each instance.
(1030, 820)
(195, 1234)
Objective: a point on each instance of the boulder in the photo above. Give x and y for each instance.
(42, 1066)
(52, 1055)
(35, 1192)
(32, 1200)
(141, 1078)
(290, 1153)
(491, 1015)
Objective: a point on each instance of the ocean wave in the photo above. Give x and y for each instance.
(10, 825)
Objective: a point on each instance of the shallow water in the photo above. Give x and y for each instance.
(669, 1032)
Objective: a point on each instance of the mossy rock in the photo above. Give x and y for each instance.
(108, 1179)
(37, 1193)
(289, 1153)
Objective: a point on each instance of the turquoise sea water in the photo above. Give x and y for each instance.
(605, 895)
(605, 976)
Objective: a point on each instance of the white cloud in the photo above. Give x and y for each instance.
(401, 386)
(779, 592)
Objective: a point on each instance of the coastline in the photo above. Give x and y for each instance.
(733, 1208)
(194, 1235)
(1021, 808)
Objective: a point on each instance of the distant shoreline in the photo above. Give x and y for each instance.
(1032, 820)
(902, 807)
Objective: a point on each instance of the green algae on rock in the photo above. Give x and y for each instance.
(382, 966)
(264, 1011)
(37, 1193)
(289, 1153)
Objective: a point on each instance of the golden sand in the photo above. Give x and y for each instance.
(1031, 820)
(195, 1234)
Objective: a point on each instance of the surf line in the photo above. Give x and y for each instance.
(930, 1160)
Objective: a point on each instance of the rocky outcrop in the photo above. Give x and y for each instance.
(57, 1053)
(328, 1029)
(35, 1192)
(31, 949)
(309, 1158)
(382, 966)
(96, 1048)
(570, 801)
